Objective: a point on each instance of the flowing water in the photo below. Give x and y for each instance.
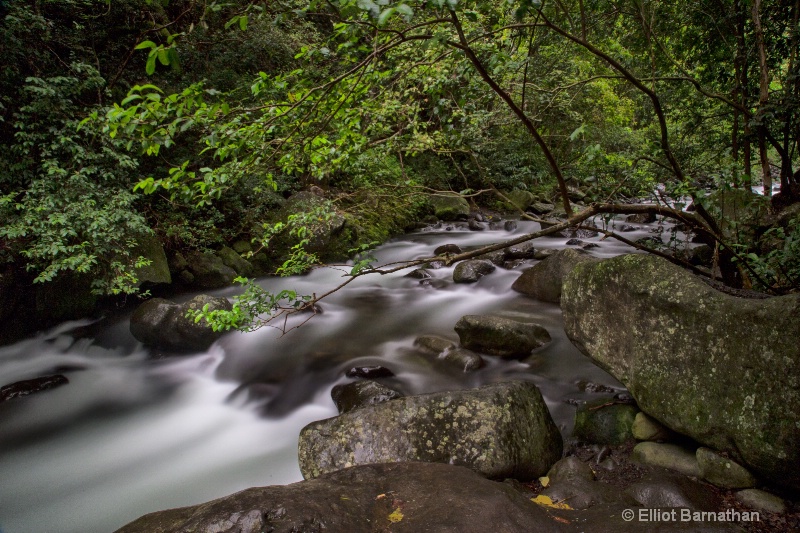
(134, 432)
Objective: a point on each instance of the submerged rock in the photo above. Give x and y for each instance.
(500, 430)
(720, 369)
(543, 281)
(163, 324)
(400, 497)
(472, 270)
(31, 386)
(500, 336)
(351, 396)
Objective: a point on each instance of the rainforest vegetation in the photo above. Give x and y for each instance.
(194, 120)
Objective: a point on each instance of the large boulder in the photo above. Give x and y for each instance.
(721, 369)
(163, 324)
(544, 279)
(157, 271)
(402, 497)
(449, 206)
(500, 430)
(500, 336)
(472, 270)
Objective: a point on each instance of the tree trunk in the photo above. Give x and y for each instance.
(763, 99)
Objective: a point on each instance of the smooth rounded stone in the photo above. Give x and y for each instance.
(19, 389)
(463, 359)
(518, 200)
(649, 429)
(666, 490)
(510, 225)
(472, 270)
(349, 396)
(400, 497)
(604, 421)
(209, 271)
(500, 430)
(574, 242)
(722, 471)
(670, 456)
(500, 336)
(523, 250)
(570, 468)
(627, 228)
(164, 324)
(590, 246)
(761, 500)
(369, 372)
(449, 206)
(543, 280)
(447, 249)
(543, 254)
(419, 273)
(689, 362)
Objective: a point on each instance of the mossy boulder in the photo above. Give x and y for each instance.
(157, 272)
(720, 369)
(500, 430)
(519, 200)
(449, 206)
(209, 271)
(604, 421)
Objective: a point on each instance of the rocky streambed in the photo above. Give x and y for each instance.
(483, 382)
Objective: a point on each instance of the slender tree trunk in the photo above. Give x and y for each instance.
(763, 99)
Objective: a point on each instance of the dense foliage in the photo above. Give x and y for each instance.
(194, 119)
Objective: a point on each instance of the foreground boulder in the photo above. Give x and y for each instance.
(404, 497)
(721, 369)
(500, 430)
(163, 324)
(500, 336)
(543, 280)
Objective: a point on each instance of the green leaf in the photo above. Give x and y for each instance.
(243, 22)
(145, 44)
(385, 15)
(163, 58)
(150, 67)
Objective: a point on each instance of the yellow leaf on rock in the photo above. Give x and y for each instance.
(545, 501)
(396, 516)
(544, 480)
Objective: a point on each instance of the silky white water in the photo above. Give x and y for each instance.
(132, 434)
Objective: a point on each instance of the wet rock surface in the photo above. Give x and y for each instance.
(164, 324)
(500, 336)
(26, 387)
(472, 270)
(501, 430)
(360, 394)
(543, 281)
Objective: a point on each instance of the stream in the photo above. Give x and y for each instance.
(134, 432)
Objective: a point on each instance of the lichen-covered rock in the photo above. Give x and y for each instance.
(163, 324)
(472, 270)
(402, 498)
(721, 369)
(449, 206)
(604, 421)
(500, 336)
(500, 430)
(543, 280)
(723, 472)
(349, 396)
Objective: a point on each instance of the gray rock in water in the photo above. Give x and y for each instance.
(447, 249)
(500, 430)
(351, 396)
(523, 250)
(543, 281)
(163, 324)
(434, 344)
(31, 386)
(463, 359)
(500, 336)
(717, 368)
(403, 497)
(472, 270)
